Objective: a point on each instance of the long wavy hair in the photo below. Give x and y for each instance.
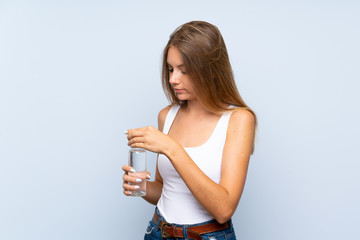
(207, 63)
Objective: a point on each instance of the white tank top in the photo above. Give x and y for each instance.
(177, 204)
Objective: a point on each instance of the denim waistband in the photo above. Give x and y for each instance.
(185, 226)
(154, 231)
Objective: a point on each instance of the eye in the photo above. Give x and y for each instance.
(183, 70)
(171, 70)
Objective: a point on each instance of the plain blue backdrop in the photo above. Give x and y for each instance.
(75, 74)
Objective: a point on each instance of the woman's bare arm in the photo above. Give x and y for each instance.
(154, 189)
(220, 200)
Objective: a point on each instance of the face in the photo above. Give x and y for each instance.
(178, 77)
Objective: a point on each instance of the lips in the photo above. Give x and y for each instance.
(179, 90)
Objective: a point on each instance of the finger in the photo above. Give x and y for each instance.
(127, 193)
(138, 145)
(148, 175)
(136, 132)
(129, 188)
(136, 140)
(131, 179)
(127, 168)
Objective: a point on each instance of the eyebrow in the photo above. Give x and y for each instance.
(181, 65)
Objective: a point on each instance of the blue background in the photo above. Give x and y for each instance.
(75, 74)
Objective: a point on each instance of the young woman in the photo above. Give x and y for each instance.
(204, 141)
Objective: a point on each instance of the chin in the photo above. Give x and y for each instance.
(183, 98)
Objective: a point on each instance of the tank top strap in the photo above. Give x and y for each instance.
(170, 118)
(224, 121)
(220, 131)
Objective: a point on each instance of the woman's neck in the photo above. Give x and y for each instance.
(194, 107)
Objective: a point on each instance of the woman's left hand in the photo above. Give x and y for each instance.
(149, 138)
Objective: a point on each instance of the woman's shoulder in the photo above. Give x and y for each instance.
(241, 128)
(163, 112)
(162, 116)
(241, 115)
(240, 111)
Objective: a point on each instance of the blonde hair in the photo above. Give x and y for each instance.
(207, 63)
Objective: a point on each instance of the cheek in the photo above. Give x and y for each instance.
(191, 87)
(189, 83)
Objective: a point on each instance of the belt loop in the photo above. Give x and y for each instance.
(185, 231)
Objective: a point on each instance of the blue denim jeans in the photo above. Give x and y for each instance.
(153, 231)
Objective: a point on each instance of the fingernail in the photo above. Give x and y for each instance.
(148, 176)
(132, 170)
(125, 132)
(136, 187)
(138, 180)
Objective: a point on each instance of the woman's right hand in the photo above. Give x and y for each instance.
(129, 184)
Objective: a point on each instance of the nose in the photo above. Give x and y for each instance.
(174, 78)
